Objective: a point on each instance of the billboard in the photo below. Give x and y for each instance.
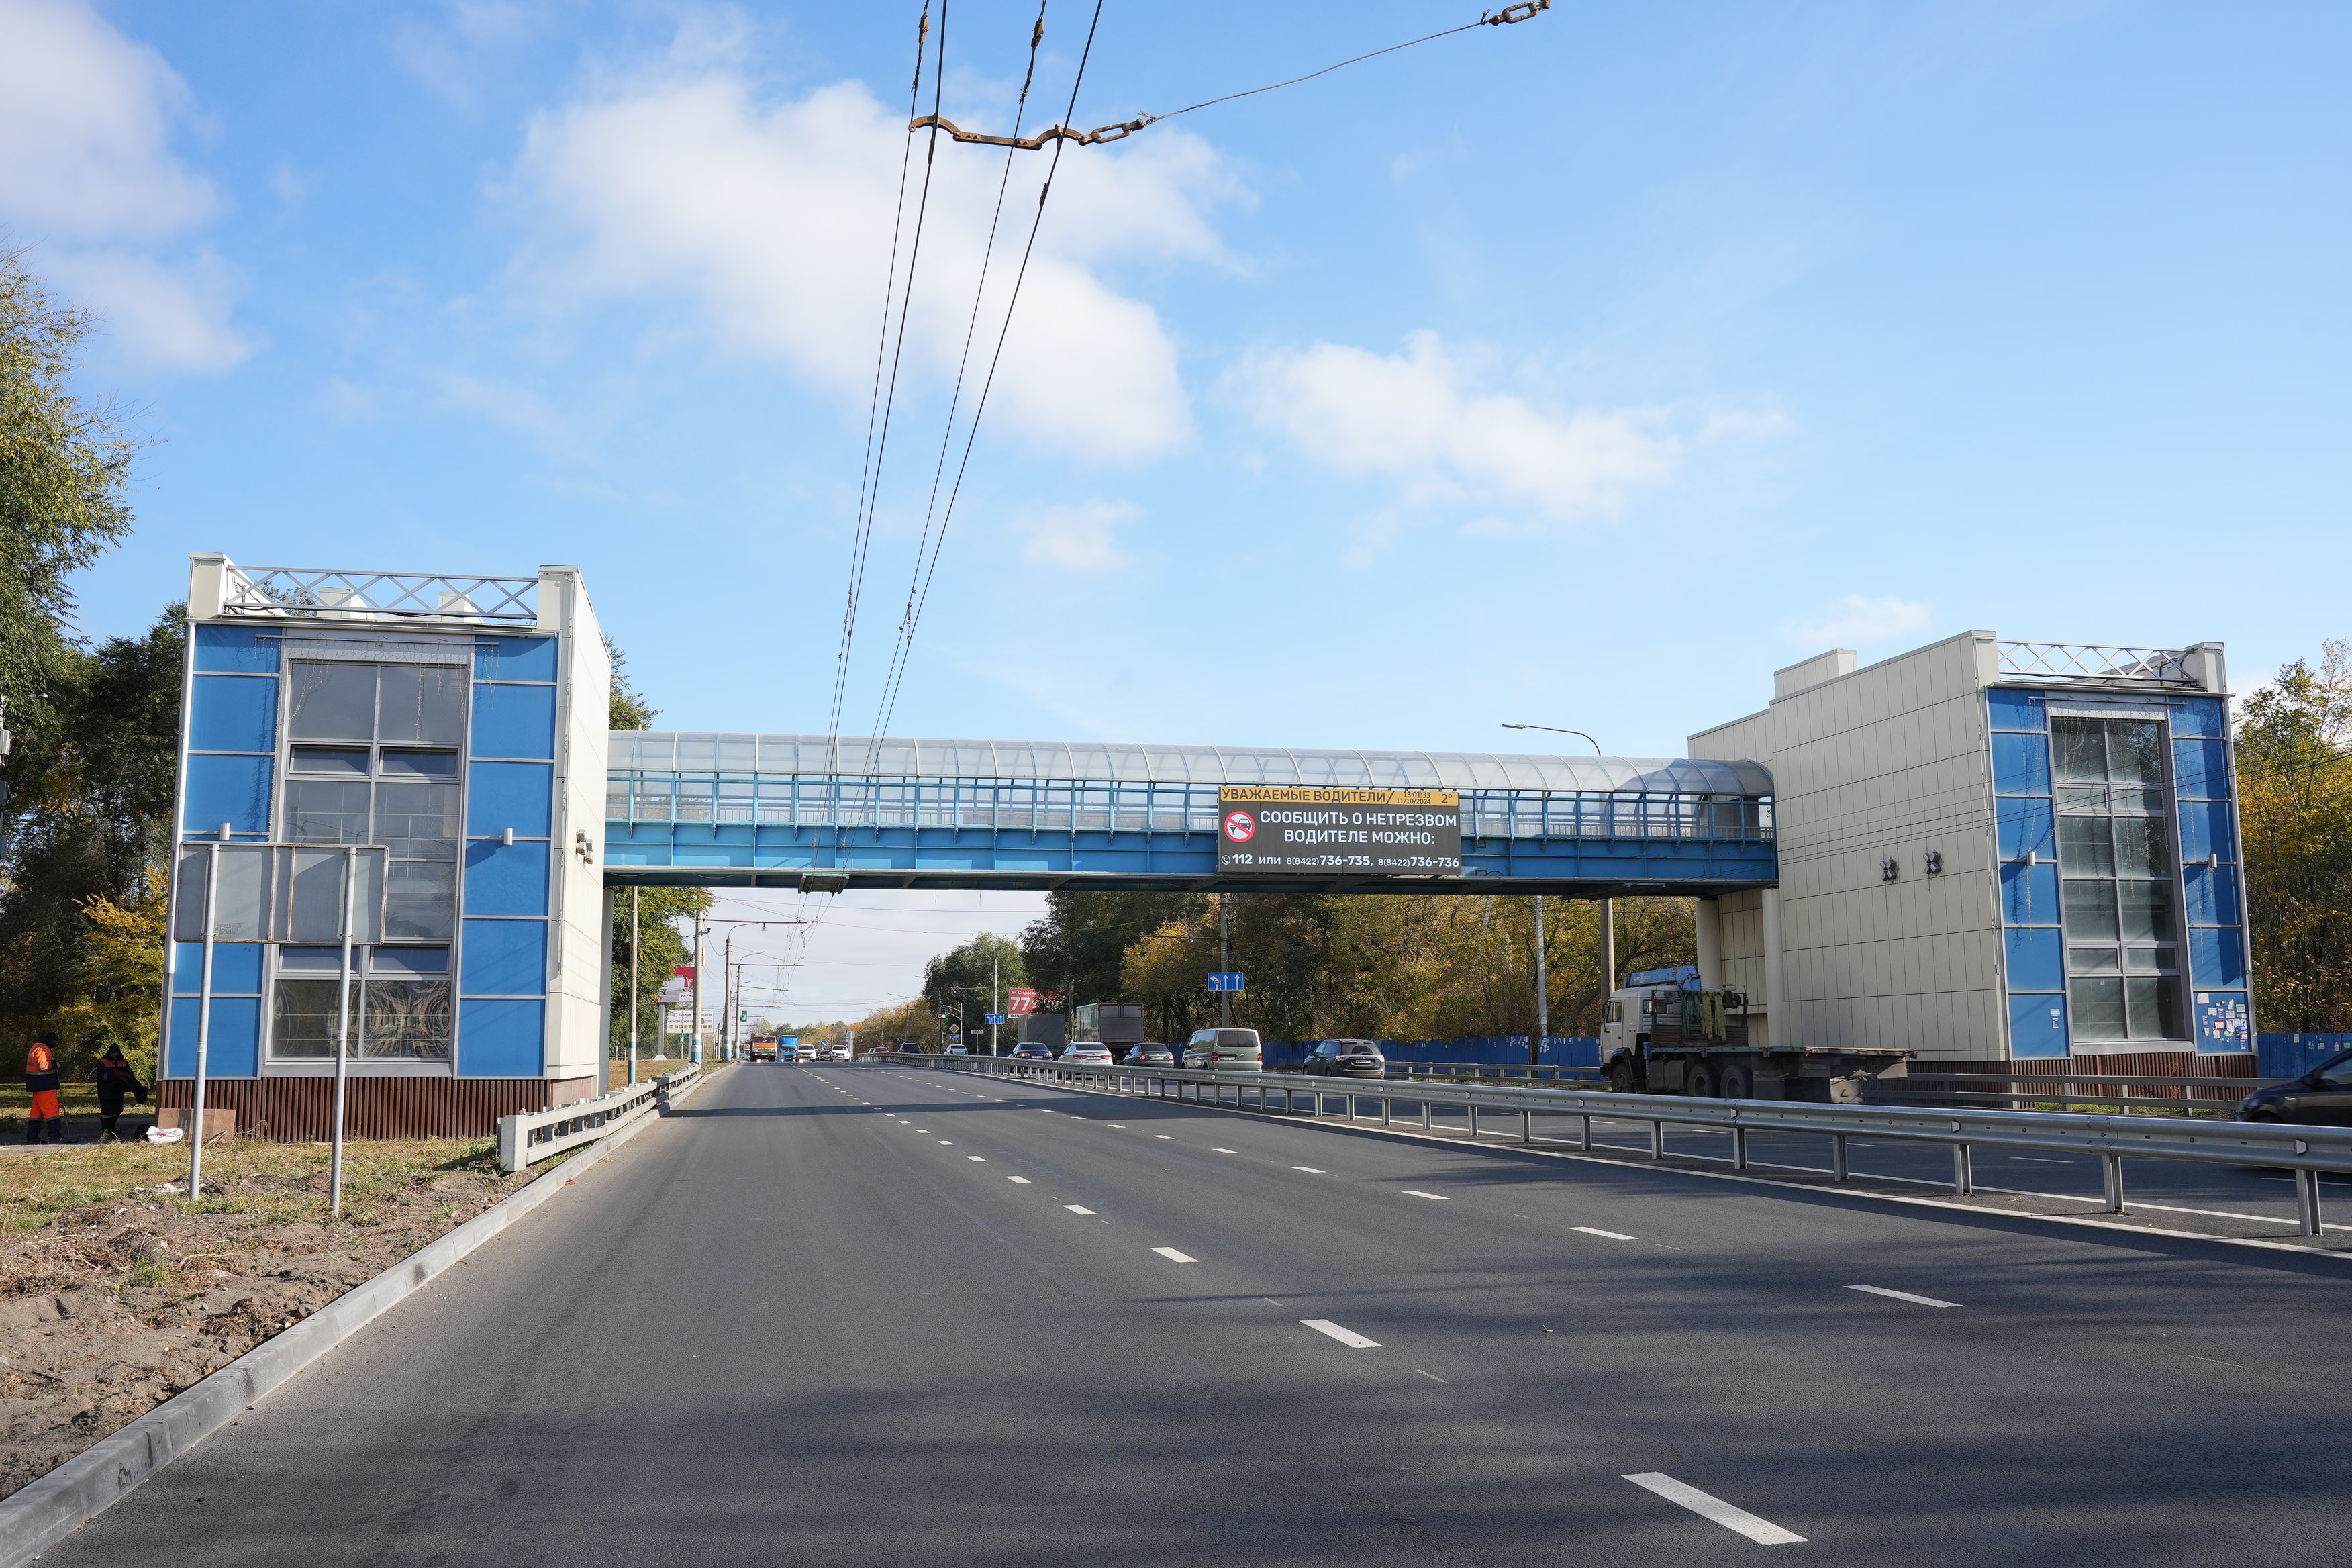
(1278, 829)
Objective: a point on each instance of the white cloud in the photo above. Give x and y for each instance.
(1858, 620)
(1079, 537)
(773, 216)
(1418, 419)
(87, 170)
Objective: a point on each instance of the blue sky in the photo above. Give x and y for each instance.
(1582, 371)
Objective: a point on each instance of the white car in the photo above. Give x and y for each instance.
(838, 1054)
(1087, 1053)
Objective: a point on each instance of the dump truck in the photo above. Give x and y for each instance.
(1667, 1032)
(759, 1048)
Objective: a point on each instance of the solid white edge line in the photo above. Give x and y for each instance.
(1348, 1337)
(1762, 1532)
(1901, 1295)
(1604, 1235)
(1173, 1255)
(2339, 1254)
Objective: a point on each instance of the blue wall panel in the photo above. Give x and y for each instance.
(505, 958)
(515, 658)
(500, 796)
(2024, 828)
(2291, 1056)
(514, 722)
(500, 1040)
(237, 968)
(2205, 829)
(2199, 716)
(2018, 711)
(2200, 769)
(236, 649)
(234, 790)
(2029, 894)
(2213, 894)
(2021, 764)
(506, 878)
(2037, 1024)
(2216, 958)
(233, 713)
(2037, 958)
(235, 1050)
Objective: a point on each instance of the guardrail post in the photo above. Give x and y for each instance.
(510, 1143)
(1739, 1148)
(1388, 1109)
(2307, 1200)
(1526, 1126)
(1657, 1140)
(1963, 1180)
(1424, 1116)
(2112, 1170)
(1473, 1108)
(1837, 1156)
(1584, 1138)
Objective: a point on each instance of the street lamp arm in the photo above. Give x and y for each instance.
(1557, 731)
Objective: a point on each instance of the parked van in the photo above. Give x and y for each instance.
(1224, 1050)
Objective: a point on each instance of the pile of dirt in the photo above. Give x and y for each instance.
(114, 1306)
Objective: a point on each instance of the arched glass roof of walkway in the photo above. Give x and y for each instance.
(916, 757)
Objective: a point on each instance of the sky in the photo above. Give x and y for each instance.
(1579, 372)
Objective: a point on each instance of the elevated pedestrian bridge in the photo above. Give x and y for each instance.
(815, 813)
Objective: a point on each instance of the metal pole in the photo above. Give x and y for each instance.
(1225, 958)
(696, 1022)
(992, 1008)
(1607, 946)
(342, 1035)
(1963, 1182)
(1543, 998)
(203, 1020)
(2112, 1168)
(633, 964)
(1837, 1156)
(2307, 1200)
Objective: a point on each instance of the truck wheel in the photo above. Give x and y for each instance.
(1621, 1075)
(1738, 1082)
(1698, 1080)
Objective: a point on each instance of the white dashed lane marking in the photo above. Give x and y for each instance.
(1603, 1234)
(1348, 1337)
(1432, 1197)
(1173, 1255)
(1077, 1208)
(980, 1158)
(1310, 1170)
(1022, 1180)
(1762, 1532)
(1901, 1296)
(1163, 1137)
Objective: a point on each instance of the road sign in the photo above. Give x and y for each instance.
(996, 1017)
(1288, 829)
(1023, 1000)
(1225, 980)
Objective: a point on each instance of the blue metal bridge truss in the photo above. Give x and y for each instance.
(801, 811)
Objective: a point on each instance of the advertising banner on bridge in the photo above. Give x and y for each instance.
(1273, 829)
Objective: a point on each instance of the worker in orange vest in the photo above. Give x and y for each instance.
(41, 1081)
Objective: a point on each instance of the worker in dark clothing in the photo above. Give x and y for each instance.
(115, 1079)
(46, 1121)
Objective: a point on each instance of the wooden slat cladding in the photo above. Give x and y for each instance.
(2119, 1064)
(300, 1109)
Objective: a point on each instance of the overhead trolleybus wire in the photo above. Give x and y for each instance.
(1506, 16)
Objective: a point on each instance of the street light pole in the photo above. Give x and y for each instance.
(1608, 910)
(635, 956)
(1225, 958)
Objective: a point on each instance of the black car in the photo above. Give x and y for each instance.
(1345, 1058)
(1148, 1054)
(2320, 1097)
(1031, 1051)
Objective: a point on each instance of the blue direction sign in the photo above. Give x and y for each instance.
(995, 1017)
(1225, 980)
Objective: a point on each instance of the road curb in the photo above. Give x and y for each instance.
(39, 1515)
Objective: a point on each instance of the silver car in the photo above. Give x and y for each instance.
(1224, 1050)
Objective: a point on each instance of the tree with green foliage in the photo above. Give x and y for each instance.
(664, 915)
(1080, 946)
(2294, 803)
(961, 979)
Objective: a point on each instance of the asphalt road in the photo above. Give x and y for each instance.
(869, 1315)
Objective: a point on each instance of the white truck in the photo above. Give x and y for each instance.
(1667, 1032)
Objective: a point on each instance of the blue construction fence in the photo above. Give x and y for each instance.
(2291, 1056)
(1469, 1050)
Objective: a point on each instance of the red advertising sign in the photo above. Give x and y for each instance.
(1021, 999)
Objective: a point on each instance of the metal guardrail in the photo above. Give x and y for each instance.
(2302, 1151)
(2027, 1089)
(530, 1136)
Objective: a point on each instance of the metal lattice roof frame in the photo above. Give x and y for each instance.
(309, 593)
(2097, 663)
(1100, 761)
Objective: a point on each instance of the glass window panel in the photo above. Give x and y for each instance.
(2085, 847)
(330, 759)
(417, 820)
(2091, 910)
(2136, 751)
(409, 961)
(2147, 911)
(2152, 960)
(2075, 800)
(330, 959)
(423, 704)
(302, 1020)
(332, 701)
(2097, 1007)
(425, 764)
(2154, 1006)
(2092, 959)
(2080, 749)
(420, 901)
(406, 1020)
(322, 811)
(2140, 848)
(2130, 800)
